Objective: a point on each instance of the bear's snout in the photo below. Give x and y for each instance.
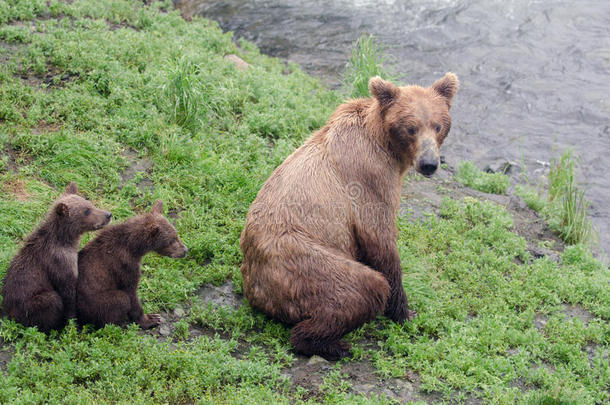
(427, 163)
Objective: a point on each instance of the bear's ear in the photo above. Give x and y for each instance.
(62, 210)
(153, 229)
(447, 86)
(71, 188)
(384, 91)
(157, 207)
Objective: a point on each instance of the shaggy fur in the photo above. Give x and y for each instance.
(40, 284)
(109, 269)
(319, 245)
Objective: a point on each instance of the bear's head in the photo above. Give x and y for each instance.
(163, 237)
(415, 120)
(78, 214)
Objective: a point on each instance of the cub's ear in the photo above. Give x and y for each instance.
(157, 207)
(447, 86)
(384, 91)
(62, 210)
(153, 229)
(71, 188)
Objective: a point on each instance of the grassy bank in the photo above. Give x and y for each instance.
(135, 104)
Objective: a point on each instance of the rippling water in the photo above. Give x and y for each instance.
(534, 74)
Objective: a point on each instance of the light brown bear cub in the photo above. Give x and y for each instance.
(109, 269)
(319, 245)
(40, 284)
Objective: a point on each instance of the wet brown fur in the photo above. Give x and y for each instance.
(319, 245)
(109, 269)
(39, 288)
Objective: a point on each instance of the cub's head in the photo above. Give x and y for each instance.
(415, 119)
(79, 214)
(163, 237)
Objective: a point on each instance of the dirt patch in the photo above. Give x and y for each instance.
(17, 188)
(577, 311)
(52, 79)
(425, 195)
(7, 50)
(113, 26)
(6, 354)
(540, 321)
(593, 351)
(44, 127)
(365, 381)
(15, 158)
(222, 295)
(138, 165)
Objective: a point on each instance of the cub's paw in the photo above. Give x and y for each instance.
(335, 350)
(149, 321)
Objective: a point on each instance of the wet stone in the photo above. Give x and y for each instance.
(164, 330)
(317, 360)
(223, 295)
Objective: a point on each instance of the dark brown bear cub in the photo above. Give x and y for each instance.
(109, 269)
(40, 284)
(319, 245)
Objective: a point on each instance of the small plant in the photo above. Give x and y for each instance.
(470, 176)
(181, 331)
(567, 206)
(531, 197)
(183, 94)
(367, 61)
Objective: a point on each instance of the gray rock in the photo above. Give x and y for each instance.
(179, 312)
(539, 252)
(503, 166)
(164, 330)
(317, 360)
(223, 295)
(364, 388)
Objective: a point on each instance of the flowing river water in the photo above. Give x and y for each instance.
(535, 75)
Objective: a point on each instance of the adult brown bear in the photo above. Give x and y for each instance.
(319, 245)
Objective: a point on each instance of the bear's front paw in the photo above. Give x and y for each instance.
(149, 320)
(397, 309)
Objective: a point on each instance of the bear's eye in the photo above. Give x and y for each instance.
(412, 130)
(437, 128)
(87, 211)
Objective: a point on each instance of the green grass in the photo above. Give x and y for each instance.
(565, 206)
(88, 87)
(470, 176)
(367, 60)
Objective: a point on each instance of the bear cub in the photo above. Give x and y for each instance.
(39, 288)
(109, 269)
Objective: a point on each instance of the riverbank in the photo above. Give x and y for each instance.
(532, 74)
(134, 104)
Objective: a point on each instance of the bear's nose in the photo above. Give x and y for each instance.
(428, 169)
(428, 163)
(108, 215)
